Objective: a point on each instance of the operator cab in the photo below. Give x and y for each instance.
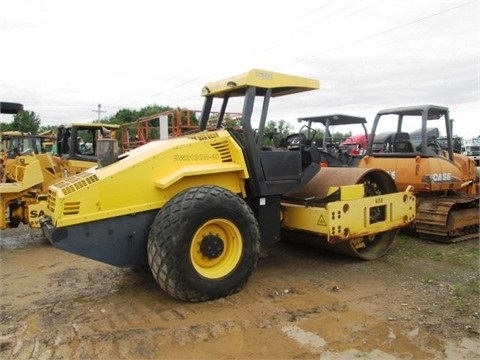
(16, 143)
(401, 140)
(332, 152)
(272, 171)
(79, 141)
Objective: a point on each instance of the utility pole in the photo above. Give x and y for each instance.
(99, 111)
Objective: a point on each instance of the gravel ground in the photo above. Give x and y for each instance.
(420, 301)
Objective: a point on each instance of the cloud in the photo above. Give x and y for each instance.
(61, 58)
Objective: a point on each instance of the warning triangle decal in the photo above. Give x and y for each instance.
(321, 221)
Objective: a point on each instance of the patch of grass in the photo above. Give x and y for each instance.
(429, 280)
(467, 296)
(471, 288)
(462, 253)
(459, 254)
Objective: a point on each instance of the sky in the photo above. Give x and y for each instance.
(62, 58)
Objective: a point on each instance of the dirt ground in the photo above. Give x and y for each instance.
(420, 301)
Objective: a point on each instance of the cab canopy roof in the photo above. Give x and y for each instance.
(91, 125)
(19, 134)
(10, 107)
(14, 133)
(335, 119)
(433, 111)
(280, 84)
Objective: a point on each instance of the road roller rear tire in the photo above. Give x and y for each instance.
(203, 244)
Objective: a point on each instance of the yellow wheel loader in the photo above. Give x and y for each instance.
(13, 143)
(27, 175)
(198, 207)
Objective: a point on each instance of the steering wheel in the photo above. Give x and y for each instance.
(332, 147)
(294, 141)
(14, 151)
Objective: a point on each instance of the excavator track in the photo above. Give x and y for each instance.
(448, 219)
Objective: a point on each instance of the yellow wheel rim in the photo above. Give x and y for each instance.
(216, 248)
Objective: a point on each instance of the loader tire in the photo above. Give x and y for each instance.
(203, 244)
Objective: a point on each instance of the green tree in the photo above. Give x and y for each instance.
(153, 109)
(276, 130)
(26, 121)
(229, 121)
(124, 116)
(5, 127)
(47, 129)
(339, 137)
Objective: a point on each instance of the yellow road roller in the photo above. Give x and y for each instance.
(198, 207)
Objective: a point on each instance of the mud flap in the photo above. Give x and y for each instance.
(120, 241)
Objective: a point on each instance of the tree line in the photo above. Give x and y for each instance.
(30, 122)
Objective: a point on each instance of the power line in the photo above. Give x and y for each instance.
(138, 98)
(382, 33)
(131, 99)
(282, 40)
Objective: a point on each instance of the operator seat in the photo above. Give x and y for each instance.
(402, 143)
